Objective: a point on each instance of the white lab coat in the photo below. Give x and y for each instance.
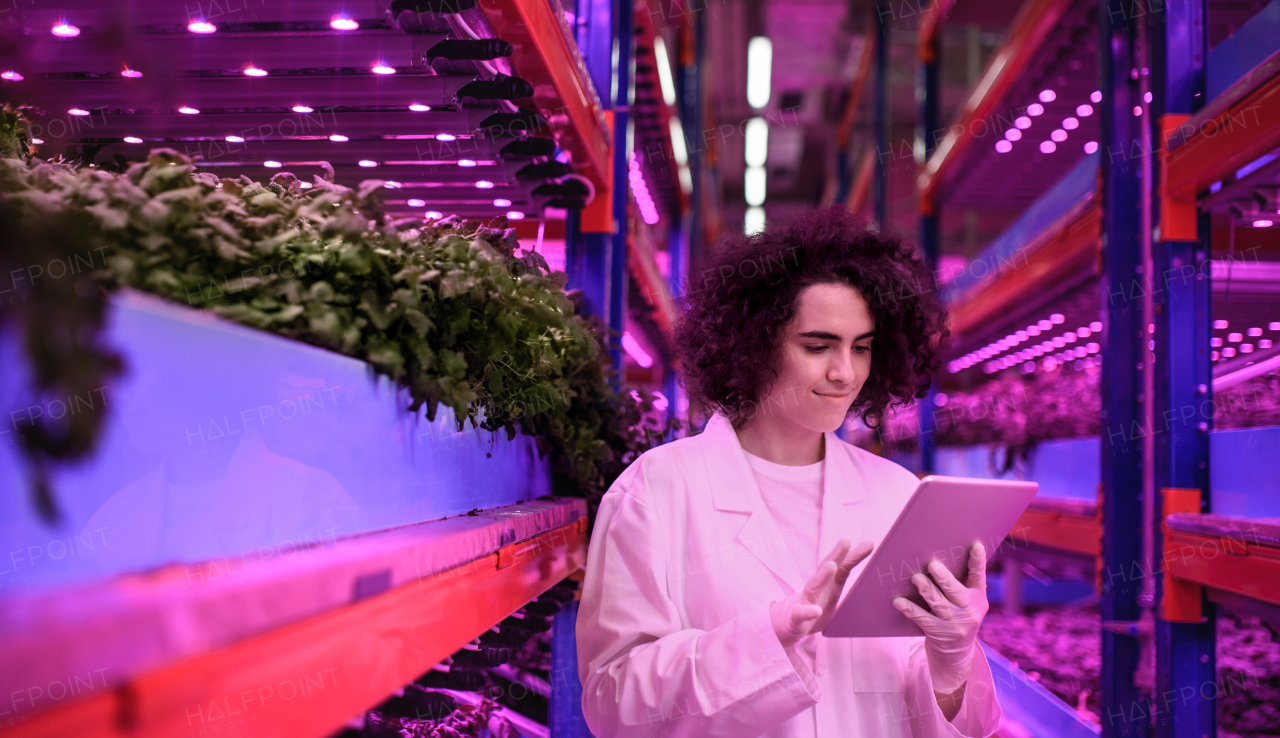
(674, 636)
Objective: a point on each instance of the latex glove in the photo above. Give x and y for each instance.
(809, 610)
(951, 630)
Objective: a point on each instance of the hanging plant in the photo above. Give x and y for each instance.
(448, 311)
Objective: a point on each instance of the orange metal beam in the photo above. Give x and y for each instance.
(860, 75)
(1077, 246)
(308, 679)
(1035, 21)
(1223, 137)
(930, 26)
(545, 58)
(653, 286)
(861, 186)
(1227, 563)
(1182, 601)
(1074, 533)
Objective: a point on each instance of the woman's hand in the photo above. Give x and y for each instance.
(809, 610)
(951, 630)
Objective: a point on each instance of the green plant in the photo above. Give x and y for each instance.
(448, 311)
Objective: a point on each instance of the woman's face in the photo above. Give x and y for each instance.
(825, 358)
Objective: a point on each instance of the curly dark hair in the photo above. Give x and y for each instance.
(741, 299)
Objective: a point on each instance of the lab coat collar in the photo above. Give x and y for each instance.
(734, 489)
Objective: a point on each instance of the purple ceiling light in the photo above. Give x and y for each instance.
(1004, 147)
(515, 215)
(419, 108)
(11, 76)
(1035, 109)
(1048, 147)
(234, 139)
(446, 137)
(201, 26)
(272, 163)
(303, 109)
(132, 140)
(188, 110)
(130, 73)
(1096, 97)
(78, 111)
(484, 184)
(65, 30)
(343, 23)
(338, 138)
(1058, 135)
(1022, 122)
(252, 71)
(1084, 111)
(433, 215)
(502, 202)
(367, 163)
(381, 68)
(416, 203)
(1070, 124)
(466, 162)
(1013, 134)
(1091, 147)
(1048, 96)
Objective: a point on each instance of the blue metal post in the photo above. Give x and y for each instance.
(1124, 708)
(1185, 652)
(884, 14)
(616, 300)
(565, 708)
(928, 96)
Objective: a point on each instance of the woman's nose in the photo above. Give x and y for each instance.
(840, 370)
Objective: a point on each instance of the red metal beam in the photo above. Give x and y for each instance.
(544, 57)
(1235, 562)
(1076, 246)
(1035, 22)
(308, 679)
(1230, 132)
(930, 26)
(860, 75)
(861, 185)
(1056, 529)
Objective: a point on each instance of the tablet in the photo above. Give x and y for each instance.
(943, 519)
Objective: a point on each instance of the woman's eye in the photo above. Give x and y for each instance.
(862, 349)
(816, 349)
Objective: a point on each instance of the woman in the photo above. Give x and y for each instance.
(696, 619)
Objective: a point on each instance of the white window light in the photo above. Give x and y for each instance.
(759, 71)
(677, 142)
(753, 223)
(757, 142)
(665, 78)
(754, 186)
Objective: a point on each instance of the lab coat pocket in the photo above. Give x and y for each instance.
(879, 664)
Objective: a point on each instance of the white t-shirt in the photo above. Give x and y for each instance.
(793, 495)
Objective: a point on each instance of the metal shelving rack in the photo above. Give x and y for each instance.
(475, 109)
(1079, 246)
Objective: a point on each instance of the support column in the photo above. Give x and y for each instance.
(1185, 633)
(884, 16)
(1124, 708)
(615, 312)
(930, 53)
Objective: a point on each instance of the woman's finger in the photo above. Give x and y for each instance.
(837, 554)
(805, 613)
(914, 612)
(978, 567)
(819, 582)
(854, 558)
(947, 582)
(940, 605)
